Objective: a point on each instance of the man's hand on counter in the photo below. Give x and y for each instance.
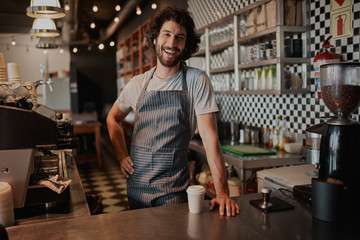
(225, 203)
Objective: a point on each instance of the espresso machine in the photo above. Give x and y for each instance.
(28, 140)
(334, 192)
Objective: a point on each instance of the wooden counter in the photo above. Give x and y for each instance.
(175, 222)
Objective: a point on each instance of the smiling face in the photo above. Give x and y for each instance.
(170, 44)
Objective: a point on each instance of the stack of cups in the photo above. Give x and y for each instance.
(13, 72)
(196, 195)
(3, 74)
(6, 205)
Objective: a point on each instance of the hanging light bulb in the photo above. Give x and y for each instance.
(95, 8)
(112, 43)
(92, 25)
(45, 9)
(138, 10)
(101, 46)
(67, 7)
(13, 43)
(44, 27)
(47, 43)
(116, 19)
(75, 50)
(117, 7)
(154, 5)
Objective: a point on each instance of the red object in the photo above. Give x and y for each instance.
(340, 2)
(251, 189)
(340, 25)
(324, 56)
(211, 185)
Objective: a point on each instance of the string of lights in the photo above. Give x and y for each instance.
(24, 41)
(96, 7)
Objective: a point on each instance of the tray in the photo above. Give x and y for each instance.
(247, 150)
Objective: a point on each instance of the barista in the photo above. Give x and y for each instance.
(169, 102)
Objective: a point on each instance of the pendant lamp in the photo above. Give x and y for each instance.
(47, 43)
(45, 9)
(44, 27)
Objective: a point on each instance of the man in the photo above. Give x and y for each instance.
(169, 102)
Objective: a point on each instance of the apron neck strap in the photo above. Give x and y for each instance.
(183, 77)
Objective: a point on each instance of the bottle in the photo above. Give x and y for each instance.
(270, 143)
(263, 78)
(257, 76)
(243, 81)
(271, 78)
(283, 134)
(276, 133)
(266, 134)
(250, 78)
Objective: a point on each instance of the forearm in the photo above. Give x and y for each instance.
(117, 136)
(208, 132)
(216, 164)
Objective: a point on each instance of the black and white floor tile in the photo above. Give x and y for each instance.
(109, 183)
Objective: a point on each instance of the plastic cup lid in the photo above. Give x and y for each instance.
(195, 189)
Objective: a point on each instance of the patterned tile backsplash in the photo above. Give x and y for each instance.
(301, 110)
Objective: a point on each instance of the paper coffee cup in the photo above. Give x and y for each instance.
(196, 195)
(6, 205)
(13, 71)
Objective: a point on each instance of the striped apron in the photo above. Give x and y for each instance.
(159, 148)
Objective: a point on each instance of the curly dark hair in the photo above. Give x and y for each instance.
(181, 17)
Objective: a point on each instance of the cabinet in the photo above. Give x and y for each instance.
(240, 61)
(133, 57)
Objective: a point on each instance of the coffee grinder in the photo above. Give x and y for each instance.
(334, 191)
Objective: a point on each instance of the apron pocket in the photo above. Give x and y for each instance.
(151, 168)
(161, 166)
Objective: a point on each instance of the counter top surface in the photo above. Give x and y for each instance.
(175, 222)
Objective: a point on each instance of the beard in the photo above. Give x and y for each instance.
(166, 62)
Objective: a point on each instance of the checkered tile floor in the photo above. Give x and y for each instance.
(109, 182)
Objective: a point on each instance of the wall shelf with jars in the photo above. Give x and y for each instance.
(258, 50)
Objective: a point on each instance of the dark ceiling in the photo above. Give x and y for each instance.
(76, 25)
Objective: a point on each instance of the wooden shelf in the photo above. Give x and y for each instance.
(224, 69)
(201, 52)
(133, 49)
(221, 46)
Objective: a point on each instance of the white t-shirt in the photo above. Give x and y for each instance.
(201, 93)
